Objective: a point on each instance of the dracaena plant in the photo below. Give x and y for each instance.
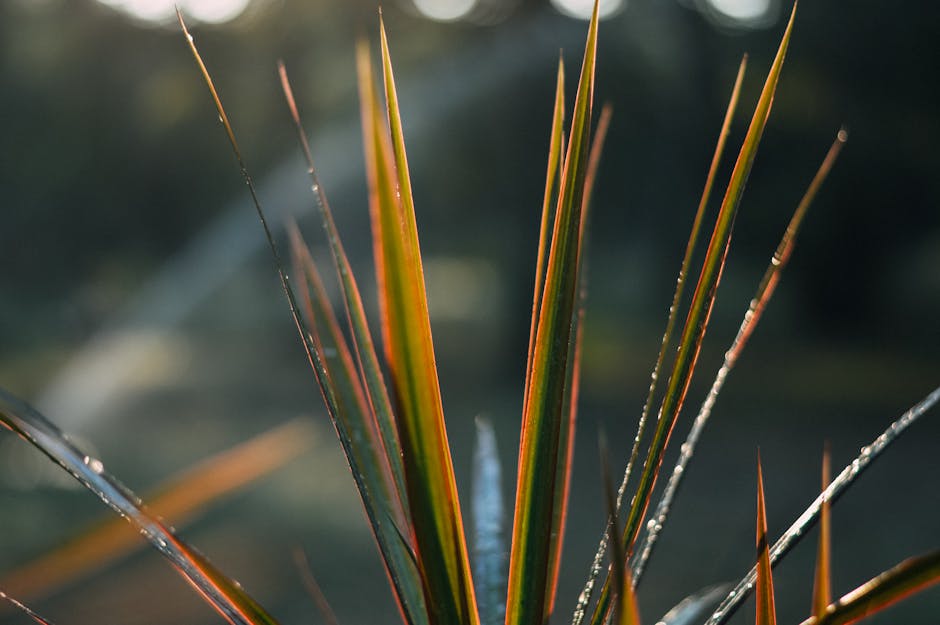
(383, 397)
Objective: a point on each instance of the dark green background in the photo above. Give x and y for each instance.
(113, 168)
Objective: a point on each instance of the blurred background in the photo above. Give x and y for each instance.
(141, 313)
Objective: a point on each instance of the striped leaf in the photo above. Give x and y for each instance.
(440, 544)
(544, 408)
(696, 322)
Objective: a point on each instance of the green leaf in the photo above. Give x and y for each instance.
(358, 435)
(585, 598)
(766, 612)
(555, 150)
(904, 580)
(696, 323)
(753, 314)
(573, 383)
(432, 493)
(379, 413)
(544, 407)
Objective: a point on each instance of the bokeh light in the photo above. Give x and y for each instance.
(742, 12)
(159, 11)
(582, 8)
(445, 10)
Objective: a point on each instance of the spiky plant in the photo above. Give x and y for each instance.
(388, 415)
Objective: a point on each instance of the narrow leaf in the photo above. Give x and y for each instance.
(177, 501)
(799, 528)
(573, 384)
(25, 609)
(822, 582)
(696, 322)
(350, 417)
(626, 611)
(489, 543)
(544, 410)
(904, 580)
(379, 416)
(223, 594)
(307, 339)
(429, 475)
(585, 598)
(751, 317)
(766, 612)
(555, 149)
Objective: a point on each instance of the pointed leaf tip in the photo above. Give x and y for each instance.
(766, 612)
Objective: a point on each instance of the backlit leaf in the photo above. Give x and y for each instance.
(544, 408)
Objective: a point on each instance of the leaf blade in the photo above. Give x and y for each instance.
(544, 393)
(909, 577)
(696, 322)
(766, 613)
(432, 492)
(822, 581)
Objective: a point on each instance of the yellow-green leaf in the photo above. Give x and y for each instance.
(696, 323)
(432, 493)
(544, 408)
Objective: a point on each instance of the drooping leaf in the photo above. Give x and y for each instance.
(799, 528)
(822, 581)
(696, 322)
(432, 493)
(177, 501)
(904, 580)
(755, 310)
(544, 408)
(585, 597)
(489, 542)
(223, 594)
(766, 612)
